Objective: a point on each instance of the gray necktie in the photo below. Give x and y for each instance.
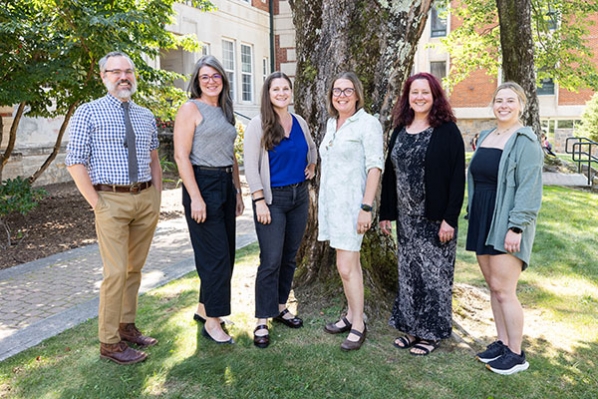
(130, 144)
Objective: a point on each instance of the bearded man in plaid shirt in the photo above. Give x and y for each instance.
(112, 156)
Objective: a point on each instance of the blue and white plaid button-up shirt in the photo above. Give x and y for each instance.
(97, 140)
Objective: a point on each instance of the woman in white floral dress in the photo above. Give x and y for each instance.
(352, 162)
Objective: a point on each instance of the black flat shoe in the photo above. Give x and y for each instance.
(354, 345)
(200, 319)
(295, 322)
(331, 328)
(261, 341)
(206, 334)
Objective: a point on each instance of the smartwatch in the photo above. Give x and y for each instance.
(366, 207)
(516, 230)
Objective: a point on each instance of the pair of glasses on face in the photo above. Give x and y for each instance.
(118, 72)
(206, 78)
(348, 92)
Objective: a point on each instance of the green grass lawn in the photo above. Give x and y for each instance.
(559, 292)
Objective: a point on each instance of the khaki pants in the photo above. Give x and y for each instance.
(125, 225)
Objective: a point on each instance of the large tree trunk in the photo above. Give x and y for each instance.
(377, 40)
(518, 54)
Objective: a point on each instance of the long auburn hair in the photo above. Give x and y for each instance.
(225, 102)
(271, 124)
(441, 111)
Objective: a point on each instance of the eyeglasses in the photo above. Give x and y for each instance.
(118, 72)
(348, 92)
(206, 78)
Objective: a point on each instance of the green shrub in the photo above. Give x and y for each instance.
(17, 196)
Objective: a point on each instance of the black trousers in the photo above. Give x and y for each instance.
(213, 240)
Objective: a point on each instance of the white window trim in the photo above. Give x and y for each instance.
(250, 74)
(232, 72)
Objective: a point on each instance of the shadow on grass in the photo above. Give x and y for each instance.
(302, 363)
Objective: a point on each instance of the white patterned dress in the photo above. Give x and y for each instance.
(347, 155)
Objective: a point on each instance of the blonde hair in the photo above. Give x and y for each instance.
(518, 90)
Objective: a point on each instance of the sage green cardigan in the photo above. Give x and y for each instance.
(518, 191)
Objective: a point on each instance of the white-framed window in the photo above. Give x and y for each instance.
(247, 72)
(205, 49)
(228, 61)
(265, 68)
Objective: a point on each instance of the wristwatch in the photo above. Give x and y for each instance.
(366, 207)
(516, 230)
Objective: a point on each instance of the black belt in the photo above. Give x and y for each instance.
(226, 169)
(133, 188)
(295, 185)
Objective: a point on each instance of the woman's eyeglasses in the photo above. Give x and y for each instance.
(348, 92)
(206, 78)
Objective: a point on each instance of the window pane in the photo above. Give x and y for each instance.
(228, 55)
(228, 62)
(247, 72)
(438, 69)
(437, 24)
(546, 87)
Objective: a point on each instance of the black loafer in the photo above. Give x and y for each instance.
(261, 341)
(295, 322)
(206, 334)
(200, 319)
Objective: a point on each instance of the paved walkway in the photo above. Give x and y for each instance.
(41, 299)
(564, 179)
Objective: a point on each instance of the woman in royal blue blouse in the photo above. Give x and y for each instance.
(279, 156)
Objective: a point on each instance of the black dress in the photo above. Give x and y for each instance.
(484, 170)
(423, 306)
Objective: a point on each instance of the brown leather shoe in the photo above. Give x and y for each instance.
(128, 332)
(121, 353)
(354, 345)
(331, 328)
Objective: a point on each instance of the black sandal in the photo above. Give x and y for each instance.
(261, 341)
(422, 346)
(406, 341)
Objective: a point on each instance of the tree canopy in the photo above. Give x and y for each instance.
(50, 50)
(560, 31)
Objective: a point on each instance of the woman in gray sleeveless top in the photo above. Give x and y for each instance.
(204, 137)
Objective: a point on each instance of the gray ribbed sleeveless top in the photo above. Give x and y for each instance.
(214, 138)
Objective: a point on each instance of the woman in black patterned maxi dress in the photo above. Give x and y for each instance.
(422, 189)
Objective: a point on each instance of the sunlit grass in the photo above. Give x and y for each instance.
(558, 291)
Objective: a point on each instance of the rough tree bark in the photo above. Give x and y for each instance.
(377, 40)
(517, 46)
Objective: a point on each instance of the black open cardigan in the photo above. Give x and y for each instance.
(444, 176)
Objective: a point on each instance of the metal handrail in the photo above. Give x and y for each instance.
(582, 153)
(242, 116)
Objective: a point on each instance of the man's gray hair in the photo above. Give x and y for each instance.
(104, 60)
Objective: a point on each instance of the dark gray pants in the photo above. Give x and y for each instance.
(279, 242)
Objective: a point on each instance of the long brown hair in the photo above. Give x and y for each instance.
(271, 124)
(225, 102)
